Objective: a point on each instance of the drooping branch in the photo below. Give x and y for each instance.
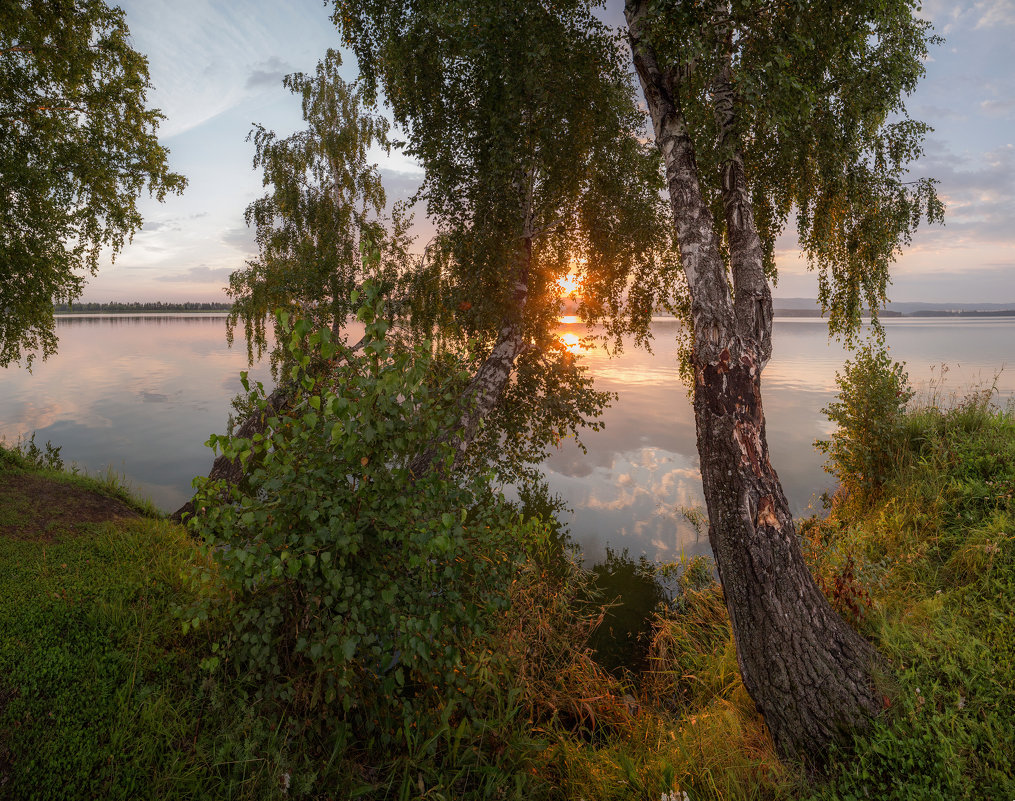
(486, 387)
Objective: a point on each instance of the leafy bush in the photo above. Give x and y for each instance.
(26, 454)
(361, 595)
(870, 415)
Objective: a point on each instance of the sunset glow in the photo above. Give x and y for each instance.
(571, 342)
(568, 285)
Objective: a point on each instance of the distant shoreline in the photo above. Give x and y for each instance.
(138, 312)
(139, 307)
(224, 308)
(814, 313)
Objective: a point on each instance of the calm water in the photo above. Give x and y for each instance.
(142, 394)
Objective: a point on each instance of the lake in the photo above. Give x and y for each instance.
(141, 394)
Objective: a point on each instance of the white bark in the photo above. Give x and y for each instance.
(711, 307)
(751, 292)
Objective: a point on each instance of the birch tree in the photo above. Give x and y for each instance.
(321, 230)
(525, 124)
(762, 110)
(321, 226)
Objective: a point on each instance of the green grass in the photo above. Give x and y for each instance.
(935, 549)
(102, 694)
(924, 566)
(91, 701)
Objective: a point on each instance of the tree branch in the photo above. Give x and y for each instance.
(751, 293)
(711, 308)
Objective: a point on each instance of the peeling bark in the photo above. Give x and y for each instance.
(711, 307)
(810, 675)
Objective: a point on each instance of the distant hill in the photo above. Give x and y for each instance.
(808, 307)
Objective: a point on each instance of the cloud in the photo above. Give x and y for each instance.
(929, 111)
(268, 73)
(199, 274)
(997, 107)
(979, 194)
(161, 225)
(243, 238)
(995, 12)
(400, 185)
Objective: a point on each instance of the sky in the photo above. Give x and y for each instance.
(217, 66)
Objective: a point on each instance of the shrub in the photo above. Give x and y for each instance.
(870, 418)
(26, 454)
(362, 596)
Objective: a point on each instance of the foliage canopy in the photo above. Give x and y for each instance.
(77, 147)
(320, 227)
(823, 128)
(525, 122)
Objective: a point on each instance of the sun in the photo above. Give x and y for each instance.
(572, 342)
(568, 285)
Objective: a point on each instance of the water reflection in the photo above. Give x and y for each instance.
(150, 320)
(642, 469)
(139, 393)
(143, 392)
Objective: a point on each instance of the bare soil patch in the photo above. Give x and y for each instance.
(38, 508)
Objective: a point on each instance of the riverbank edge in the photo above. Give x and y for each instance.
(101, 692)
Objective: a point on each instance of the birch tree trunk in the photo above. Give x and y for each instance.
(487, 386)
(810, 675)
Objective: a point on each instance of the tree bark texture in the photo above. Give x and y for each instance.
(810, 674)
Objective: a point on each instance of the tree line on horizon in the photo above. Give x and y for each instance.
(136, 305)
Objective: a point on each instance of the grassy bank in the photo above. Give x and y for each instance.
(91, 698)
(103, 695)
